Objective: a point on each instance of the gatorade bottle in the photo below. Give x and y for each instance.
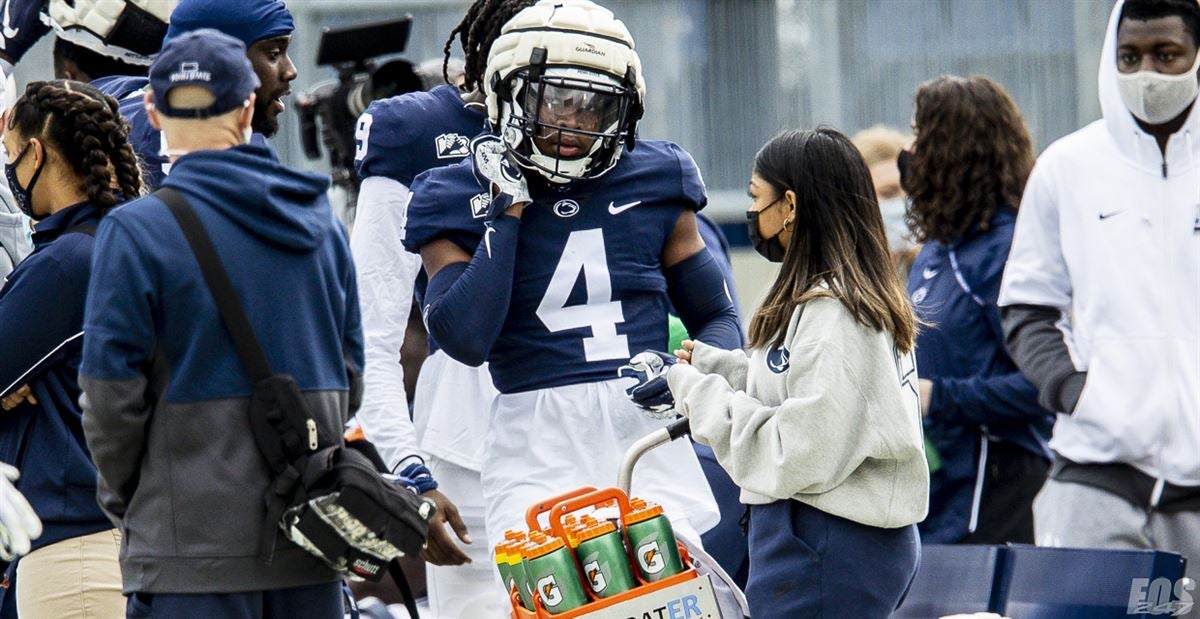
(652, 540)
(513, 571)
(552, 574)
(601, 554)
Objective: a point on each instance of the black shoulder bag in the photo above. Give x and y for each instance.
(329, 499)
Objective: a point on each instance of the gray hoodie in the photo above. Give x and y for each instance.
(830, 418)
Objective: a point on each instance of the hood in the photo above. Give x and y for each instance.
(1183, 149)
(248, 186)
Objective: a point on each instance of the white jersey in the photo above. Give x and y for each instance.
(453, 400)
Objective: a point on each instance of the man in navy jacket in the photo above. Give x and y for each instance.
(166, 397)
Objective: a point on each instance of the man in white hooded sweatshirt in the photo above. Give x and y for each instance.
(1101, 296)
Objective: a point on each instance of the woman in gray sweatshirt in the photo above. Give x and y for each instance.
(818, 421)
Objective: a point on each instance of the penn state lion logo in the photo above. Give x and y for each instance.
(566, 208)
(778, 359)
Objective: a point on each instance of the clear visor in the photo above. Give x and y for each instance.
(571, 112)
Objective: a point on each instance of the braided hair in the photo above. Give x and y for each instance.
(478, 29)
(86, 127)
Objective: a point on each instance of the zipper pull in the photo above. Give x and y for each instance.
(312, 434)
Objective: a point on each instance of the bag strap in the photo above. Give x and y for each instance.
(406, 593)
(217, 279)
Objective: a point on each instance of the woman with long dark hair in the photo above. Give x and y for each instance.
(69, 163)
(818, 420)
(964, 178)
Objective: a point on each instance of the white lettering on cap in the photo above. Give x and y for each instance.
(190, 72)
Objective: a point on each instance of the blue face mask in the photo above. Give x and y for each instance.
(22, 195)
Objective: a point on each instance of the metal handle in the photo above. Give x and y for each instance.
(662, 436)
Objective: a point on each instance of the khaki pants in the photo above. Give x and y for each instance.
(75, 578)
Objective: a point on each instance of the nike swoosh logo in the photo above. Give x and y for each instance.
(1104, 216)
(617, 210)
(487, 240)
(929, 273)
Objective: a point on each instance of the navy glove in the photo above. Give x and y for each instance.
(22, 27)
(417, 477)
(651, 391)
(496, 171)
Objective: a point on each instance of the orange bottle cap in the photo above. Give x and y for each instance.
(514, 535)
(542, 546)
(594, 530)
(640, 510)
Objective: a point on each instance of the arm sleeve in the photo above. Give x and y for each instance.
(386, 273)
(39, 315)
(700, 295)
(116, 355)
(466, 302)
(810, 443)
(1038, 347)
(1036, 276)
(731, 365)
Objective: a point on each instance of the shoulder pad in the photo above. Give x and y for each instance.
(402, 136)
(447, 202)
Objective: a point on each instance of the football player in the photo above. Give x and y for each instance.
(398, 138)
(552, 253)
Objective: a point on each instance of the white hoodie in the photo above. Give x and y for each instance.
(1107, 233)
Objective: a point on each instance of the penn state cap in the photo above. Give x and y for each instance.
(206, 58)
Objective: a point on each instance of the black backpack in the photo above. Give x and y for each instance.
(328, 498)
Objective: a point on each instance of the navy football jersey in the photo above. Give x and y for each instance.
(402, 136)
(588, 291)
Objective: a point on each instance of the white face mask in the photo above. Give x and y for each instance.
(893, 222)
(1156, 98)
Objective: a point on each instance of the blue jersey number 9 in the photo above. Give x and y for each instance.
(585, 252)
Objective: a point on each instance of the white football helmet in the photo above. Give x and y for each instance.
(128, 30)
(565, 89)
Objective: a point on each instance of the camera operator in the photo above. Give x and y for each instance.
(165, 393)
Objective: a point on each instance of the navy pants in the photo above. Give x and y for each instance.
(322, 601)
(807, 563)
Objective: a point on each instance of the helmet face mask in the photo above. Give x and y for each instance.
(566, 123)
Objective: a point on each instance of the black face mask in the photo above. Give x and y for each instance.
(771, 248)
(904, 164)
(23, 196)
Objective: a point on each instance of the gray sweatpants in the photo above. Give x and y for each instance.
(1068, 514)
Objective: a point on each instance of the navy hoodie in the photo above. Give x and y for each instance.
(41, 328)
(165, 394)
(978, 392)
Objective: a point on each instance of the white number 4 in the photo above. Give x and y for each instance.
(585, 252)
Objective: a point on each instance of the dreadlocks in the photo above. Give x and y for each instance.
(476, 32)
